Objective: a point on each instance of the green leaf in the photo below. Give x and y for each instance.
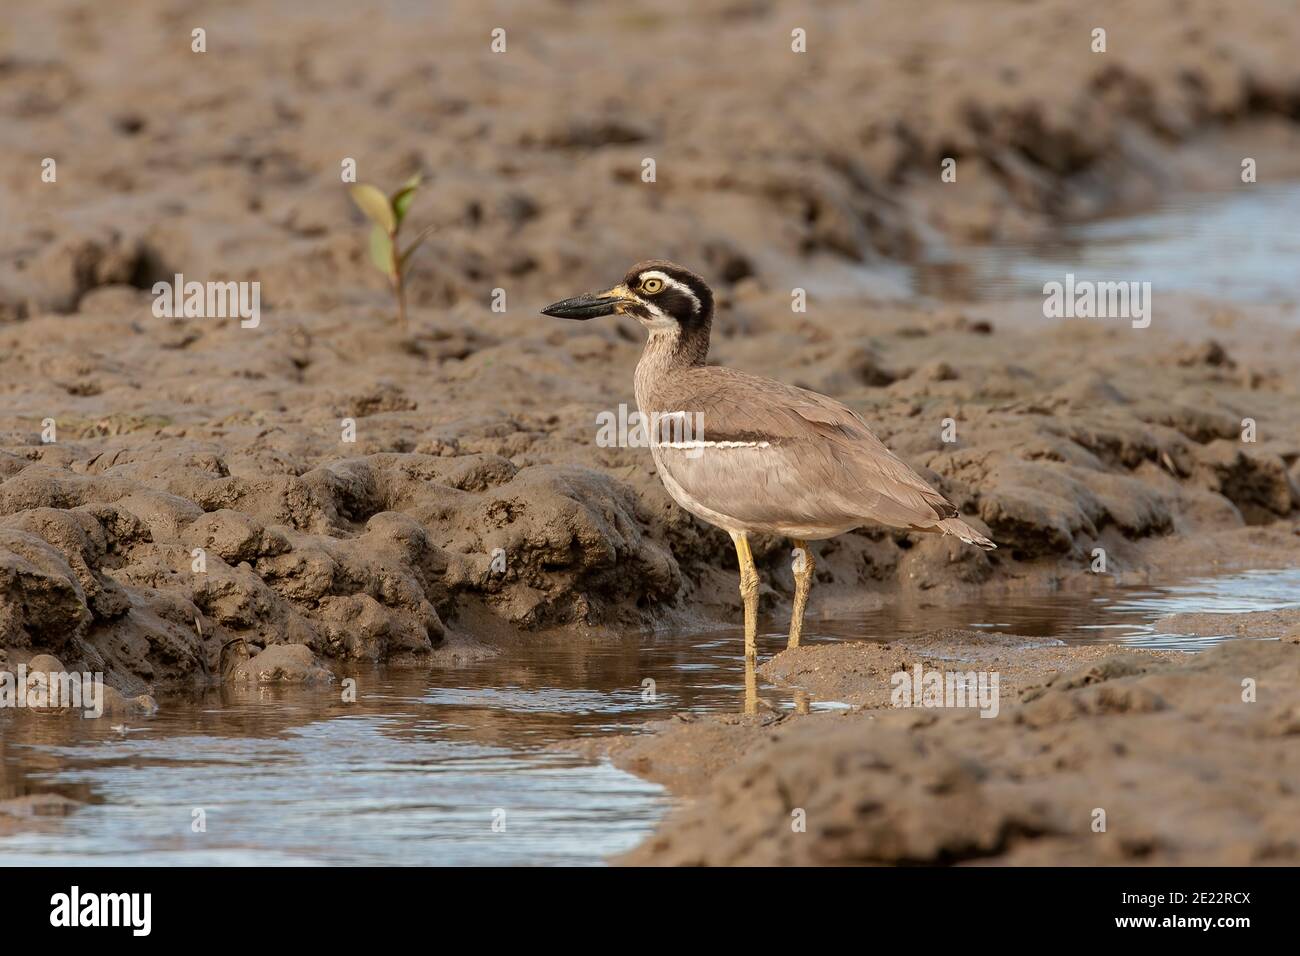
(381, 251)
(375, 205)
(401, 201)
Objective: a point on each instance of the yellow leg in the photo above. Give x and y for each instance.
(751, 687)
(804, 566)
(748, 592)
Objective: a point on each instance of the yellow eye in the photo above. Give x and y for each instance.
(651, 286)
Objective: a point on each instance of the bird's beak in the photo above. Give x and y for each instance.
(590, 306)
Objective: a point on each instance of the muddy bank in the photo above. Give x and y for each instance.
(168, 486)
(217, 500)
(1163, 744)
(227, 163)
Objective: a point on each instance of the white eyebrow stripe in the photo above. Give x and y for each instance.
(714, 444)
(670, 281)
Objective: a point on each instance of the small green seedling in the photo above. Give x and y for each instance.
(387, 214)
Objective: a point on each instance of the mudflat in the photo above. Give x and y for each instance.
(173, 488)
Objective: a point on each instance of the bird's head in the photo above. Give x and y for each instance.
(660, 294)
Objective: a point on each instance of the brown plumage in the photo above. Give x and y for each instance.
(790, 461)
(750, 454)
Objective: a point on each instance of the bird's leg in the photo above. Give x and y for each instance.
(751, 687)
(804, 565)
(748, 592)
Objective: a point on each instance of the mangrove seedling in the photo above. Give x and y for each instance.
(387, 213)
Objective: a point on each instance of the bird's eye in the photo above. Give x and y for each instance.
(651, 286)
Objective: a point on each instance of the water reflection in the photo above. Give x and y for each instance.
(1239, 245)
(415, 770)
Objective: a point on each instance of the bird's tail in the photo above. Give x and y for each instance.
(961, 529)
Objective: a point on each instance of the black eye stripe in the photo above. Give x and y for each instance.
(676, 303)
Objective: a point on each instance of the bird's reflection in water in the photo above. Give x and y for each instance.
(751, 687)
(802, 699)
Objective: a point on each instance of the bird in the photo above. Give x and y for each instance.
(752, 455)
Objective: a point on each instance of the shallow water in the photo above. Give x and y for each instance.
(413, 772)
(1241, 245)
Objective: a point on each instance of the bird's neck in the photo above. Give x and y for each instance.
(667, 351)
(677, 347)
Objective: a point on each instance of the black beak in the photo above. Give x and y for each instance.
(589, 306)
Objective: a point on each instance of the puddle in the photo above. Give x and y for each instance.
(1240, 246)
(413, 772)
(1125, 615)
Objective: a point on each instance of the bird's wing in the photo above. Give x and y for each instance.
(827, 449)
